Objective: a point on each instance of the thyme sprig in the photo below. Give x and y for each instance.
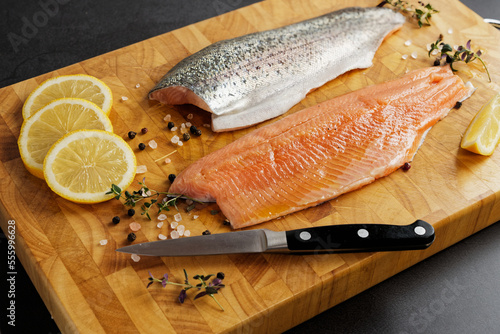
(149, 196)
(422, 15)
(462, 53)
(209, 288)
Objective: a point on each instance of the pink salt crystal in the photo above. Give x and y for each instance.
(162, 237)
(135, 257)
(103, 242)
(187, 233)
(141, 169)
(162, 216)
(174, 234)
(159, 225)
(181, 229)
(167, 160)
(177, 217)
(152, 143)
(174, 224)
(134, 226)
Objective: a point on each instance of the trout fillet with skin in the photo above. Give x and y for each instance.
(321, 152)
(249, 79)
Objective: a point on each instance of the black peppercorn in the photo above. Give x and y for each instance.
(458, 105)
(171, 177)
(131, 236)
(142, 146)
(131, 212)
(193, 129)
(170, 125)
(220, 275)
(406, 166)
(186, 136)
(144, 130)
(226, 222)
(131, 134)
(116, 220)
(437, 62)
(206, 232)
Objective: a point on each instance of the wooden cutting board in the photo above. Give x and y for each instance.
(90, 288)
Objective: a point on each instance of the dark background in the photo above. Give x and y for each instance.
(455, 291)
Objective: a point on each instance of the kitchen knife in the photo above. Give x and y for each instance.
(331, 239)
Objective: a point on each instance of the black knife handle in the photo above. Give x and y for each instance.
(362, 237)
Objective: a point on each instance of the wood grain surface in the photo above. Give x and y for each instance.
(89, 288)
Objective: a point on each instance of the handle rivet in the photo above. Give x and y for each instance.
(304, 235)
(362, 233)
(420, 230)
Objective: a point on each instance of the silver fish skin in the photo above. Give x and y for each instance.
(249, 79)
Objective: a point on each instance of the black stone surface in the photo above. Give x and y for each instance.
(455, 291)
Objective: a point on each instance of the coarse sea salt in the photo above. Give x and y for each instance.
(173, 129)
(434, 52)
(159, 225)
(162, 216)
(103, 242)
(195, 217)
(181, 229)
(188, 124)
(404, 57)
(190, 116)
(175, 139)
(135, 257)
(167, 117)
(174, 224)
(141, 169)
(408, 43)
(450, 31)
(138, 85)
(187, 233)
(189, 201)
(124, 98)
(174, 235)
(414, 55)
(206, 125)
(152, 143)
(162, 236)
(179, 143)
(177, 217)
(167, 160)
(134, 226)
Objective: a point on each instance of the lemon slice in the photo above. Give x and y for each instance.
(82, 165)
(40, 131)
(79, 85)
(483, 134)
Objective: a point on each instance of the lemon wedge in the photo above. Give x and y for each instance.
(79, 86)
(82, 165)
(40, 131)
(483, 134)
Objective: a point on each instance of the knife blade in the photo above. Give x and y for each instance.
(331, 238)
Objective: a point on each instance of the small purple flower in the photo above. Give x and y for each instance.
(215, 282)
(182, 296)
(479, 53)
(468, 44)
(164, 280)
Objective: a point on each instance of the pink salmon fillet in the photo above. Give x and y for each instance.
(321, 152)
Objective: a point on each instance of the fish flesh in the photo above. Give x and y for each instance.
(249, 79)
(323, 151)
